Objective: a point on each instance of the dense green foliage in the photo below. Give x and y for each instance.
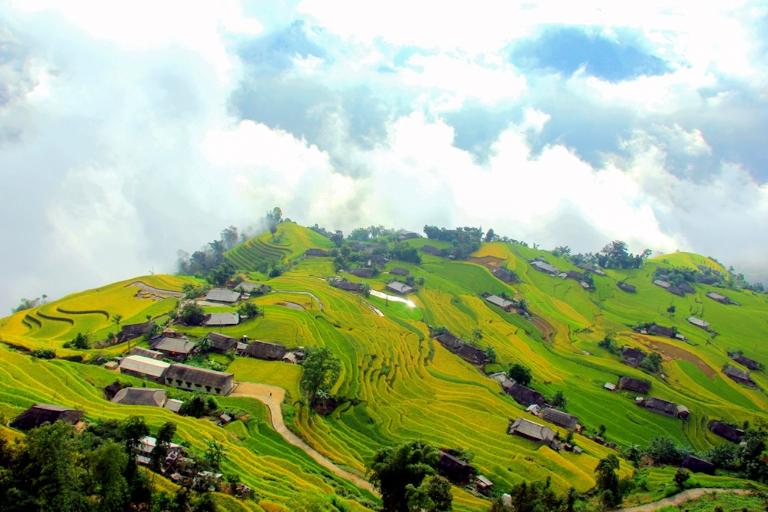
(399, 472)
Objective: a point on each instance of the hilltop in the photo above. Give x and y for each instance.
(565, 319)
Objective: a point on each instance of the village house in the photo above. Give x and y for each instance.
(560, 418)
(399, 271)
(635, 385)
(407, 235)
(453, 468)
(543, 266)
(146, 445)
(505, 304)
(434, 251)
(133, 331)
(698, 322)
(610, 386)
(722, 299)
(177, 349)
(463, 349)
(531, 431)
(363, 272)
(221, 343)
(523, 394)
(144, 367)
(317, 252)
(263, 350)
(145, 352)
(664, 407)
(738, 375)
(253, 288)
(483, 485)
(632, 356)
(745, 361)
(662, 283)
(347, 286)
(726, 431)
(40, 414)
(505, 275)
(697, 465)
(400, 288)
(222, 295)
(173, 405)
(140, 396)
(629, 288)
(222, 319)
(192, 378)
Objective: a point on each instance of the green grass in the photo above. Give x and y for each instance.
(726, 501)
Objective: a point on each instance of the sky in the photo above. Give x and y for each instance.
(130, 130)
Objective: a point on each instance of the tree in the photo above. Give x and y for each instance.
(191, 314)
(392, 470)
(477, 334)
(274, 217)
(608, 481)
(681, 477)
(433, 495)
(117, 318)
(108, 465)
(321, 371)
(652, 362)
(562, 250)
(229, 237)
(248, 310)
(221, 273)
(559, 400)
(491, 236)
(214, 453)
(663, 450)
(164, 437)
(601, 430)
(133, 429)
(520, 374)
(81, 341)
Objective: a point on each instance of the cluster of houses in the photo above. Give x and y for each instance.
(506, 304)
(460, 472)
(463, 349)
(547, 268)
(654, 404)
(654, 329)
(347, 286)
(182, 376)
(505, 275)
(679, 290)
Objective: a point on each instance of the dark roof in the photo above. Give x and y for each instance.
(629, 288)
(430, 249)
(132, 331)
(40, 414)
(363, 272)
(664, 407)
(505, 275)
(195, 375)
(222, 295)
(449, 341)
(657, 330)
(737, 374)
(636, 385)
(454, 468)
(522, 394)
(343, 284)
(632, 356)
(316, 252)
(399, 271)
(560, 418)
(697, 465)
(531, 430)
(222, 319)
(174, 345)
(719, 297)
(726, 431)
(749, 363)
(220, 342)
(145, 352)
(140, 396)
(258, 288)
(462, 349)
(264, 350)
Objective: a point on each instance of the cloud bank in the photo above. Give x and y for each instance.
(128, 133)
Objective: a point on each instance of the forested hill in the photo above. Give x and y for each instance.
(429, 338)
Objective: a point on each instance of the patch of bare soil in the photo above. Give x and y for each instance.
(489, 262)
(676, 353)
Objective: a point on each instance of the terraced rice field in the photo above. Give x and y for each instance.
(401, 385)
(290, 242)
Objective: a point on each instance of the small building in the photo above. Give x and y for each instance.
(461, 348)
(222, 319)
(560, 418)
(192, 378)
(40, 414)
(317, 252)
(141, 396)
(399, 271)
(726, 431)
(745, 361)
(173, 405)
(523, 394)
(664, 407)
(347, 286)
(365, 273)
(398, 287)
(658, 330)
(738, 375)
(221, 343)
(624, 286)
(144, 367)
(453, 468)
(632, 356)
(543, 266)
(434, 251)
(718, 297)
(177, 349)
(253, 288)
(698, 322)
(407, 235)
(697, 465)
(640, 386)
(610, 386)
(133, 331)
(222, 295)
(263, 350)
(662, 283)
(146, 445)
(505, 275)
(531, 430)
(483, 484)
(505, 304)
(145, 352)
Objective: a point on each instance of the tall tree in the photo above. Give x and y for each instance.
(608, 481)
(321, 370)
(108, 464)
(392, 470)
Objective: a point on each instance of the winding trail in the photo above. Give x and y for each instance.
(156, 291)
(679, 499)
(272, 397)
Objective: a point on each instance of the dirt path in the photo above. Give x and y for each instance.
(679, 499)
(309, 294)
(155, 291)
(272, 397)
(544, 327)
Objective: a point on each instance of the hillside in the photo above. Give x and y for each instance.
(401, 384)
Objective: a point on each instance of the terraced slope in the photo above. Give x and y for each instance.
(290, 242)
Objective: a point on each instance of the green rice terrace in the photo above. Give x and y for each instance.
(398, 383)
